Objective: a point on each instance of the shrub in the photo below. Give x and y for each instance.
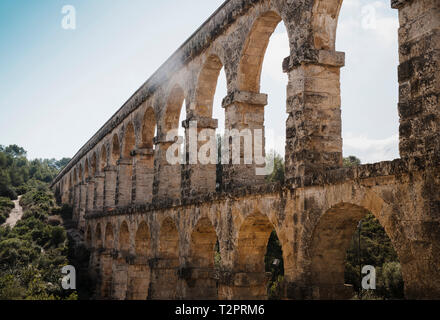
(6, 205)
(10, 288)
(9, 193)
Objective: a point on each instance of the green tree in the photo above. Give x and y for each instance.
(376, 250)
(351, 161)
(278, 172)
(61, 164)
(15, 151)
(274, 264)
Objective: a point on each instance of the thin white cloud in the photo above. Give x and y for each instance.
(371, 150)
(373, 21)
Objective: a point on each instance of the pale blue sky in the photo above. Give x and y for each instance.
(58, 87)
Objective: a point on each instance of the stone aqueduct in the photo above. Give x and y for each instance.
(152, 226)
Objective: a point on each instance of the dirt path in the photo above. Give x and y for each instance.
(15, 214)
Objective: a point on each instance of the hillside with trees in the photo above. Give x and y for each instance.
(17, 173)
(33, 252)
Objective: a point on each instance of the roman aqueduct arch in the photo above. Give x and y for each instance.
(151, 225)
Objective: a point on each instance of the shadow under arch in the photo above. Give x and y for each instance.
(80, 174)
(166, 269)
(124, 239)
(201, 284)
(124, 185)
(115, 150)
(95, 260)
(89, 236)
(148, 128)
(140, 271)
(93, 165)
(86, 169)
(129, 141)
(143, 241)
(103, 159)
(75, 177)
(98, 237)
(253, 239)
(331, 239)
(107, 263)
(120, 265)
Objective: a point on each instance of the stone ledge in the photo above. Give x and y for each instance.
(313, 56)
(252, 98)
(163, 140)
(329, 177)
(142, 152)
(110, 168)
(124, 162)
(164, 203)
(381, 169)
(202, 122)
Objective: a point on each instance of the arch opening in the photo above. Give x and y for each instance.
(174, 109)
(204, 247)
(98, 237)
(109, 237)
(368, 34)
(172, 126)
(120, 264)
(258, 250)
(107, 263)
(274, 264)
(149, 128)
(261, 71)
(255, 48)
(115, 155)
(274, 82)
(89, 236)
(124, 239)
(207, 85)
(371, 246)
(169, 243)
(75, 176)
(129, 141)
(86, 169)
(168, 261)
(335, 268)
(142, 241)
(80, 174)
(210, 91)
(103, 160)
(141, 273)
(94, 165)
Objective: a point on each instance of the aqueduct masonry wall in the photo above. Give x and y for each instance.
(152, 226)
